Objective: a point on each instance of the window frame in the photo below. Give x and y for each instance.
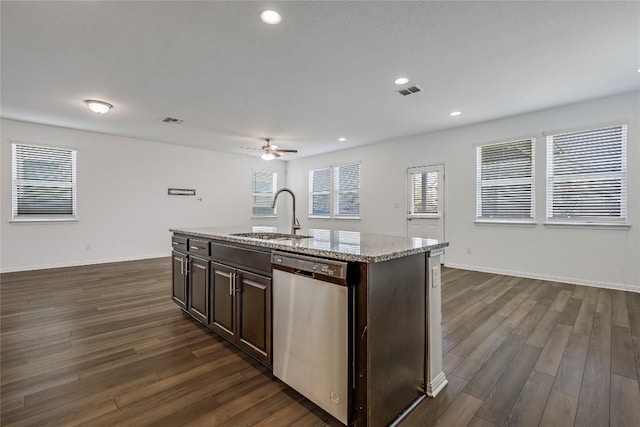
(508, 220)
(422, 170)
(593, 221)
(274, 186)
(16, 182)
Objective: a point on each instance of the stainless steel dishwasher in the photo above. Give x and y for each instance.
(310, 329)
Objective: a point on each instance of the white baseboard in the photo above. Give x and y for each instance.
(77, 264)
(436, 385)
(571, 280)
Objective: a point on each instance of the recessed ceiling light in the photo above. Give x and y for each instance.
(638, 70)
(270, 17)
(99, 107)
(401, 81)
(455, 113)
(342, 139)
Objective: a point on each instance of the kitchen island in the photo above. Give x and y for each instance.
(222, 277)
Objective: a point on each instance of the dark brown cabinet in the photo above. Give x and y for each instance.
(223, 307)
(198, 289)
(179, 281)
(241, 309)
(227, 288)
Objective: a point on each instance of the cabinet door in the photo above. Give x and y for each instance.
(198, 289)
(223, 310)
(253, 296)
(179, 281)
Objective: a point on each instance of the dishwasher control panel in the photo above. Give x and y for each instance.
(316, 266)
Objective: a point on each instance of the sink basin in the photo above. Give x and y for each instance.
(272, 236)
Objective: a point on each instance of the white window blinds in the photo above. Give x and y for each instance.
(505, 181)
(264, 185)
(587, 175)
(44, 182)
(424, 192)
(320, 192)
(347, 185)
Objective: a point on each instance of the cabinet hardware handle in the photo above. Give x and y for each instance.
(195, 247)
(181, 266)
(231, 283)
(176, 243)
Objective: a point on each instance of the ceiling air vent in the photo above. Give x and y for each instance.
(172, 120)
(409, 90)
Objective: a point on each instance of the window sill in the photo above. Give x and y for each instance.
(264, 216)
(502, 222)
(319, 217)
(40, 220)
(348, 218)
(593, 225)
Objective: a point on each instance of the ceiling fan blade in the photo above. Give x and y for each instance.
(288, 151)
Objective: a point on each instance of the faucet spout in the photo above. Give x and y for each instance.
(295, 225)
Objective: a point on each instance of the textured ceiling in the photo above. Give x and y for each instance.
(326, 71)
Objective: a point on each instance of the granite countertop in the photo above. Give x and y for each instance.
(335, 244)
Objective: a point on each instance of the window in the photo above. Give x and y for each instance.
(423, 192)
(337, 187)
(587, 176)
(43, 182)
(264, 184)
(320, 192)
(347, 190)
(505, 181)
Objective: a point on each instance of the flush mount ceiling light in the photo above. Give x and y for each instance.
(270, 17)
(342, 139)
(99, 107)
(455, 113)
(401, 81)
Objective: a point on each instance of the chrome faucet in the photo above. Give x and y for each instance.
(295, 225)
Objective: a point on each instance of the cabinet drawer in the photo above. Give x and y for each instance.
(248, 259)
(179, 243)
(199, 247)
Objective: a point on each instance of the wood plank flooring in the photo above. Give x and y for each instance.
(104, 346)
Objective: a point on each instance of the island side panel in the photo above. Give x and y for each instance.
(396, 336)
(357, 276)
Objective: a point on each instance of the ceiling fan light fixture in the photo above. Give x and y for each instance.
(270, 17)
(267, 156)
(99, 107)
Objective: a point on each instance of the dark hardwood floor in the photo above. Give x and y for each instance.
(104, 345)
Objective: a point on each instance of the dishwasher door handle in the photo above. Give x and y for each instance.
(303, 273)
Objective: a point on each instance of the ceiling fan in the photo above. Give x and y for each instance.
(270, 152)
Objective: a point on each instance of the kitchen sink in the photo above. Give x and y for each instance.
(272, 236)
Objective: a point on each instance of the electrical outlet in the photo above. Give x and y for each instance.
(468, 251)
(87, 247)
(396, 205)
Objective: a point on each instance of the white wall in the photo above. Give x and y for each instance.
(600, 257)
(124, 211)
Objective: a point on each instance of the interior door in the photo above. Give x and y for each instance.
(425, 212)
